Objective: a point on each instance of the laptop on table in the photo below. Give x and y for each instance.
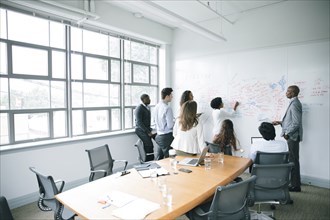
(195, 161)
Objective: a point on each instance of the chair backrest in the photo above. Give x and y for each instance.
(215, 148)
(272, 182)
(5, 212)
(100, 159)
(272, 158)
(142, 153)
(47, 184)
(231, 201)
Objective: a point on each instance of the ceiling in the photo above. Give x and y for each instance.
(203, 17)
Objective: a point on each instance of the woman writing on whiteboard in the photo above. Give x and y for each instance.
(187, 131)
(219, 113)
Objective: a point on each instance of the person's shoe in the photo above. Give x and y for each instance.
(294, 189)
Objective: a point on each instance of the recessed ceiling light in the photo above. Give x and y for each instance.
(138, 15)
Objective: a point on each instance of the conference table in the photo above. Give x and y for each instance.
(188, 189)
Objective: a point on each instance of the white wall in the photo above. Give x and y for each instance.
(283, 27)
(69, 161)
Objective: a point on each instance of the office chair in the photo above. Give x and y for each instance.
(271, 186)
(271, 158)
(101, 162)
(5, 212)
(215, 148)
(48, 189)
(143, 156)
(229, 202)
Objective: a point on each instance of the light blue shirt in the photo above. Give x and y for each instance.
(163, 117)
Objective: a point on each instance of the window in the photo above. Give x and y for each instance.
(53, 86)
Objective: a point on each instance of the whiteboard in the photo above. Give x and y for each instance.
(258, 79)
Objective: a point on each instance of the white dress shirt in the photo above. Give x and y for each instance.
(272, 146)
(163, 117)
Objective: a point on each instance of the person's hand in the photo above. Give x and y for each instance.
(236, 104)
(276, 122)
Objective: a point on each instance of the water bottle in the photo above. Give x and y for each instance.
(173, 162)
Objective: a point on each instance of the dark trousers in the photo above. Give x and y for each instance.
(294, 157)
(147, 143)
(164, 142)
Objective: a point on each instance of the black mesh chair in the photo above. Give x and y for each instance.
(101, 162)
(143, 156)
(271, 186)
(215, 148)
(5, 212)
(47, 202)
(271, 158)
(229, 202)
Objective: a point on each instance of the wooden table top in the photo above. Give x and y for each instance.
(188, 189)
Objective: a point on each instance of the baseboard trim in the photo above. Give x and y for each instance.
(314, 181)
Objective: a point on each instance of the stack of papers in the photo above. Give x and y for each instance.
(145, 170)
(137, 209)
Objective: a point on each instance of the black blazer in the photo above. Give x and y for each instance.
(143, 118)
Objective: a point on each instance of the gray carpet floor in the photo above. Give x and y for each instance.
(312, 203)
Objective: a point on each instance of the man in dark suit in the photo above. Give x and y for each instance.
(142, 126)
(292, 131)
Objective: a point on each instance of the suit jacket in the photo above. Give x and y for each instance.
(143, 118)
(292, 120)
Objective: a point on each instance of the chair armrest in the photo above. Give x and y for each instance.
(61, 184)
(200, 212)
(122, 161)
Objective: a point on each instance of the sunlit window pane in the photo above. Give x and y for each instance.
(140, 73)
(114, 47)
(154, 75)
(96, 95)
(31, 126)
(77, 122)
(3, 59)
(76, 66)
(115, 119)
(114, 95)
(3, 24)
(128, 73)
(4, 101)
(57, 35)
(29, 94)
(128, 118)
(133, 93)
(76, 39)
(4, 128)
(58, 64)
(153, 55)
(28, 29)
(127, 49)
(58, 94)
(60, 124)
(96, 68)
(97, 120)
(30, 61)
(139, 52)
(115, 71)
(95, 43)
(77, 94)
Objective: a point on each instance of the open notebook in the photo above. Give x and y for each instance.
(195, 161)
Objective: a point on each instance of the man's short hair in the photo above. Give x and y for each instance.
(295, 89)
(144, 96)
(267, 130)
(216, 102)
(166, 92)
